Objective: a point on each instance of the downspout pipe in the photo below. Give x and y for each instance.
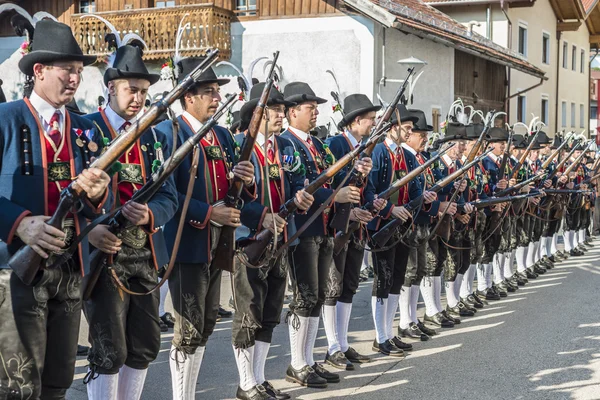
(508, 70)
(558, 64)
(590, 93)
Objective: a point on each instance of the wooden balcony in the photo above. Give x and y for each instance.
(209, 28)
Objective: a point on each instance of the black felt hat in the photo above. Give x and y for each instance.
(474, 130)
(497, 135)
(536, 145)
(405, 116)
(300, 92)
(556, 142)
(421, 125)
(275, 98)
(355, 105)
(129, 64)
(187, 65)
(54, 41)
(519, 141)
(543, 138)
(454, 131)
(235, 121)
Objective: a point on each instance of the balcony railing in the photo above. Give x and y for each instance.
(209, 28)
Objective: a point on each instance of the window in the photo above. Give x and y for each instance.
(545, 110)
(582, 65)
(581, 116)
(574, 58)
(593, 112)
(564, 114)
(572, 115)
(87, 6)
(246, 7)
(546, 48)
(523, 40)
(163, 4)
(521, 108)
(565, 50)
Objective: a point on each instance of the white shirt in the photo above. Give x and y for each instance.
(446, 158)
(391, 144)
(353, 142)
(493, 157)
(46, 111)
(407, 147)
(260, 139)
(302, 135)
(115, 120)
(195, 124)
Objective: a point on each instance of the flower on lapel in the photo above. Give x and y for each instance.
(25, 47)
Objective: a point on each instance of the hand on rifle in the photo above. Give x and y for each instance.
(364, 165)
(360, 215)
(245, 171)
(138, 214)
(460, 185)
(534, 200)
(274, 221)
(563, 179)
(463, 218)
(379, 204)
(526, 188)
(401, 213)
(348, 194)
(570, 185)
(548, 183)
(502, 184)
(104, 240)
(41, 237)
(512, 182)
(303, 200)
(429, 197)
(93, 182)
(226, 216)
(451, 208)
(469, 208)
(498, 207)
(583, 186)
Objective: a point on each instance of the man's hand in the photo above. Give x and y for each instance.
(502, 184)
(548, 183)
(498, 207)
(360, 215)
(526, 188)
(245, 171)
(379, 204)
(469, 208)
(303, 200)
(103, 239)
(41, 237)
(364, 165)
(429, 197)
(463, 218)
(274, 221)
(401, 213)
(348, 194)
(447, 205)
(584, 186)
(563, 179)
(570, 185)
(512, 182)
(460, 185)
(534, 200)
(138, 214)
(226, 216)
(93, 182)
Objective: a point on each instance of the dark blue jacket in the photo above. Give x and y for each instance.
(164, 203)
(423, 216)
(340, 146)
(26, 194)
(195, 239)
(319, 227)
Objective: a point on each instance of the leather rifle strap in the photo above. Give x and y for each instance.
(184, 208)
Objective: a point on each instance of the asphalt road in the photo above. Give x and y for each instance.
(542, 342)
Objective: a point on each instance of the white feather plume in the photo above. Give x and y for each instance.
(40, 15)
(110, 26)
(180, 30)
(131, 37)
(13, 7)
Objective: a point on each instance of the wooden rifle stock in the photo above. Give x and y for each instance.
(341, 218)
(26, 262)
(506, 156)
(554, 154)
(384, 234)
(255, 248)
(497, 200)
(563, 161)
(519, 185)
(524, 156)
(577, 160)
(226, 241)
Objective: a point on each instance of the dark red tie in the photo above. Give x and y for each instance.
(420, 159)
(125, 126)
(270, 152)
(54, 132)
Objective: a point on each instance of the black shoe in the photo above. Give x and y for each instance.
(488, 294)
(530, 273)
(501, 289)
(459, 310)
(275, 393)
(254, 393)
(481, 299)
(305, 377)
(545, 262)
(355, 357)
(223, 313)
(413, 332)
(330, 377)
(451, 318)
(509, 286)
(439, 320)
(476, 301)
(401, 345)
(427, 331)
(471, 303)
(338, 360)
(370, 272)
(582, 248)
(82, 350)
(552, 259)
(468, 306)
(538, 269)
(163, 326)
(168, 319)
(387, 348)
(520, 279)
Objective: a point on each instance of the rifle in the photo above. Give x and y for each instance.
(566, 191)
(254, 249)
(341, 217)
(341, 238)
(564, 160)
(226, 241)
(577, 160)
(26, 262)
(556, 152)
(524, 155)
(383, 235)
(520, 185)
(506, 155)
(497, 200)
(118, 222)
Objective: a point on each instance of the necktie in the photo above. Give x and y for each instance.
(124, 127)
(420, 159)
(270, 152)
(54, 130)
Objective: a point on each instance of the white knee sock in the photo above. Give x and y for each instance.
(427, 291)
(450, 293)
(521, 256)
(184, 372)
(567, 240)
(164, 290)
(298, 342)
(244, 359)
(437, 292)
(581, 236)
(554, 248)
(481, 277)
(457, 283)
(498, 264)
(466, 287)
(536, 252)
(330, 322)
(131, 383)
(405, 307)
(530, 255)
(575, 239)
(311, 338)
(508, 262)
(261, 351)
(390, 314)
(414, 300)
(103, 387)
(488, 275)
(545, 244)
(343, 312)
(379, 309)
